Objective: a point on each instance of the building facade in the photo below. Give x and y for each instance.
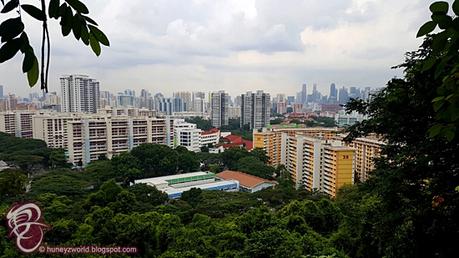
(219, 108)
(79, 93)
(187, 135)
(92, 137)
(17, 123)
(255, 109)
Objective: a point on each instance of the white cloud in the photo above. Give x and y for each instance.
(237, 45)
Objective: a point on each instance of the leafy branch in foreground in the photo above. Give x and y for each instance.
(73, 18)
(444, 60)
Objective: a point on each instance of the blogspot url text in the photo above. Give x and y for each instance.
(87, 250)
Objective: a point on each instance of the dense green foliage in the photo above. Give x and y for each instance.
(316, 121)
(203, 124)
(409, 208)
(29, 154)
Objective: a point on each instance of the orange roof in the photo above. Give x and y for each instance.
(234, 138)
(211, 131)
(244, 179)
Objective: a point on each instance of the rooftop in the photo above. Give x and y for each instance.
(244, 179)
(211, 131)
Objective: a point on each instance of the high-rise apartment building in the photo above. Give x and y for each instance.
(366, 150)
(219, 108)
(52, 128)
(317, 164)
(1, 91)
(17, 123)
(93, 136)
(79, 93)
(271, 139)
(255, 109)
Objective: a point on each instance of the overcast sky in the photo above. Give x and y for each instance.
(235, 45)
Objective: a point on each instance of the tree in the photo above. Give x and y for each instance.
(127, 167)
(416, 177)
(148, 196)
(231, 156)
(255, 167)
(443, 58)
(73, 18)
(203, 124)
(260, 154)
(156, 159)
(192, 196)
(12, 182)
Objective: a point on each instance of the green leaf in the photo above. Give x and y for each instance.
(438, 99)
(439, 7)
(10, 6)
(438, 104)
(34, 12)
(443, 21)
(76, 27)
(53, 9)
(456, 7)
(28, 61)
(78, 6)
(11, 28)
(90, 20)
(9, 49)
(435, 130)
(427, 28)
(25, 46)
(449, 134)
(94, 44)
(85, 35)
(428, 63)
(65, 30)
(100, 36)
(32, 74)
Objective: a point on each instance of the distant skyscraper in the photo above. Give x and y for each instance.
(219, 108)
(290, 100)
(237, 101)
(186, 99)
(126, 99)
(304, 94)
(343, 96)
(129, 93)
(1, 91)
(315, 96)
(255, 109)
(333, 97)
(170, 105)
(79, 94)
(354, 93)
(198, 102)
(146, 101)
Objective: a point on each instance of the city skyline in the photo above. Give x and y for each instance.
(247, 46)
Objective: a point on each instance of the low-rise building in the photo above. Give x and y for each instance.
(187, 135)
(175, 185)
(247, 182)
(210, 137)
